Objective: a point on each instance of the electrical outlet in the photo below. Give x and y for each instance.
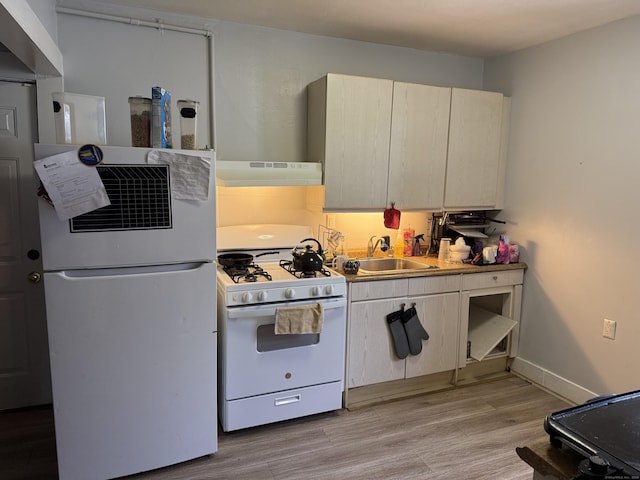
(609, 329)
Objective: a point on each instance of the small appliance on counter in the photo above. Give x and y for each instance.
(470, 225)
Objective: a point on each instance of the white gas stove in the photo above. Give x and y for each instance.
(266, 377)
(272, 282)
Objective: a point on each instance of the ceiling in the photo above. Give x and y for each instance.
(477, 28)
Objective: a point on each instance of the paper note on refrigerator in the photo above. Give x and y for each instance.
(73, 187)
(189, 174)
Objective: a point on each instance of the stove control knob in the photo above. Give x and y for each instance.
(247, 297)
(289, 293)
(328, 289)
(315, 291)
(262, 296)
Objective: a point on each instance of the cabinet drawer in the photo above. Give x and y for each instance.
(439, 284)
(492, 279)
(275, 407)
(378, 289)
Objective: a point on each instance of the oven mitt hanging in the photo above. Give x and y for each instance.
(400, 342)
(415, 332)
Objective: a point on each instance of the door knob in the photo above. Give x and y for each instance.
(34, 277)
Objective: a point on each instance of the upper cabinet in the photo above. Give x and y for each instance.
(418, 152)
(420, 147)
(380, 142)
(474, 161)
(349, 120)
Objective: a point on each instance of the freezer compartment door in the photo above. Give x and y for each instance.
(151, 220)
(133, 365)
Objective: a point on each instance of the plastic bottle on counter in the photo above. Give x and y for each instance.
(443, 251)
(407, 238)
(514, 253)
(398, 246)
(417, 251)
(504, 250)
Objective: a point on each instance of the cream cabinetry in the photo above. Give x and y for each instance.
(478, 129)
(418, 150)
(371, 354)
(380, 141)
(490, 306)
(383, 142)
(349, 120)
(472, 320)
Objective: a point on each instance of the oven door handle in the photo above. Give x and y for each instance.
(270, 309)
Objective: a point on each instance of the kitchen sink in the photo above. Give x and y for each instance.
(371, 266)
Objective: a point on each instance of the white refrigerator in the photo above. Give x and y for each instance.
(130, 293)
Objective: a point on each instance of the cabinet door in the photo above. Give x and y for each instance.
(473, 162)
(487, 316)
(372, 358)
(439, 317)
(418, 155)
(358, 125)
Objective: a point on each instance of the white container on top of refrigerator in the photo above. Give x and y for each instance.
(131, 317)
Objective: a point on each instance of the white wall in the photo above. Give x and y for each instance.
(303, 206)
(260, 74)
(260, 92)
(116, 61)
(572, 197)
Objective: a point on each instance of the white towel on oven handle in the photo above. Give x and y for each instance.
(299, 319)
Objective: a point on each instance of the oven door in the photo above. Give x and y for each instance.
(256, 361)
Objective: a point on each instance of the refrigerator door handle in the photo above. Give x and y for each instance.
(140, 270)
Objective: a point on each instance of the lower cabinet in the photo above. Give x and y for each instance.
(438, 315)
(470, 318)
(372, 357)
(489, 315)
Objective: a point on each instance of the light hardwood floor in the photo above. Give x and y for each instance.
(469, 433)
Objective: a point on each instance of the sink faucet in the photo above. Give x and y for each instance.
(384, 242)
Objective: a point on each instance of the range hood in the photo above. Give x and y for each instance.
(267, 174)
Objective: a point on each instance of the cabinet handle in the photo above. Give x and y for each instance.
(287, 400)
(495, 277)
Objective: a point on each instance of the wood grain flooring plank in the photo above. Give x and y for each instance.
(467, 433)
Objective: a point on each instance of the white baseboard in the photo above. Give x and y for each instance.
(551, 382)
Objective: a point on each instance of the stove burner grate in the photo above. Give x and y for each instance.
(288, 266)
(250, 273)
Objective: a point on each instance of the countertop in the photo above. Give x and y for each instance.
(444, 268)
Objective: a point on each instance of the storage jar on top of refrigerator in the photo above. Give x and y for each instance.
(188, 124)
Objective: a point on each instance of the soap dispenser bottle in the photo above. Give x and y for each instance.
(398, 247)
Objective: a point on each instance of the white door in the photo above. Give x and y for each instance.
(24, 354)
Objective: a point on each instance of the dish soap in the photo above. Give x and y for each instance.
(398, 247)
